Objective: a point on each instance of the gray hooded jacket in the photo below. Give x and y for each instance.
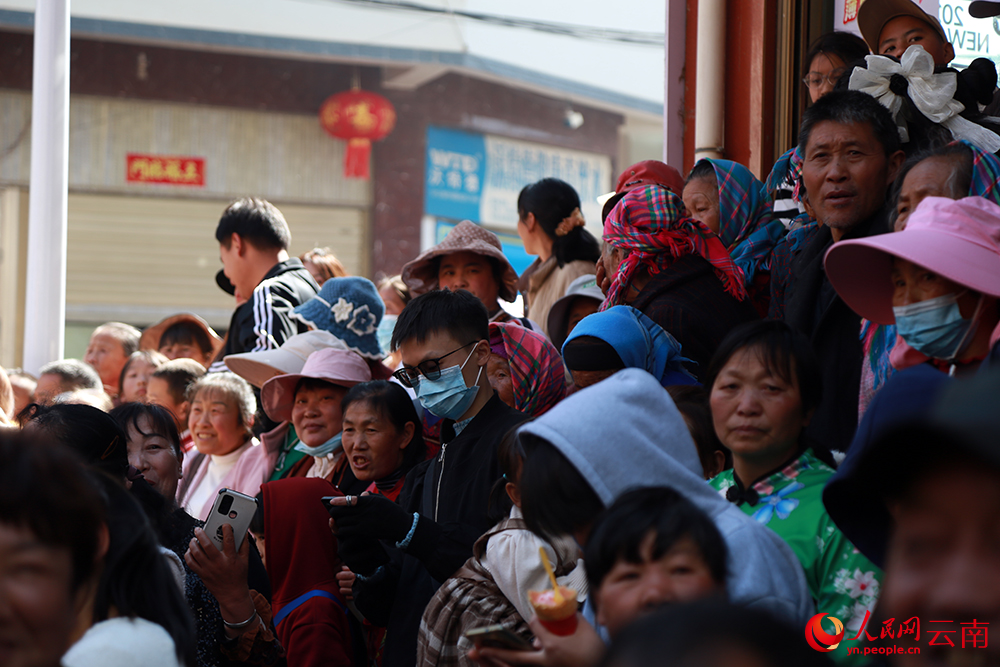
(625, 432)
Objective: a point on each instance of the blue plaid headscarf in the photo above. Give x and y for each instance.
(746, 226)
(985, 174)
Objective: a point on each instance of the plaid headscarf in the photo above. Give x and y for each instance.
(985, 174)
(536, 369)
(649, 222)
(787, 170)
(746, 226)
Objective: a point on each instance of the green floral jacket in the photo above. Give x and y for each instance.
(843, 583)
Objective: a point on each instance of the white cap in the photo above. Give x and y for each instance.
(259, 367)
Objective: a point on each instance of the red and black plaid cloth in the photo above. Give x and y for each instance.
(649, 223)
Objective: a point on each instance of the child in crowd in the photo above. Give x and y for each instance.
(168, 388)
(134, 380)
(492, 587)
(650, 548)
(183, 336)
(395, 294)
(583, 297)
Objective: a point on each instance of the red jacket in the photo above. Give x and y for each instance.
(310, 616)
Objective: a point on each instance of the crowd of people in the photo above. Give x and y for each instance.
(750, 409)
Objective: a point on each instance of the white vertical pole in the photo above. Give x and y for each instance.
(673, 83)
(710, 82)
(45, 296)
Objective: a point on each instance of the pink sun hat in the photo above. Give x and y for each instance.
(958, 239)
(339, 367)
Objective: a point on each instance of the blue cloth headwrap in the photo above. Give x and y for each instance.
(639, 341)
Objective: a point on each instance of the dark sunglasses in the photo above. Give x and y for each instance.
(409, 376)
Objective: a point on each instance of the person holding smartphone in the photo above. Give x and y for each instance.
(400, 551)
(223, 587)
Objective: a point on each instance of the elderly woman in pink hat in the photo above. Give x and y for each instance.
(938, 280)
(310, 400)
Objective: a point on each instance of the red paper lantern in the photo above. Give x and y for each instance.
(359, 117)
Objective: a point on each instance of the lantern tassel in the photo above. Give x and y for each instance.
(356, 158)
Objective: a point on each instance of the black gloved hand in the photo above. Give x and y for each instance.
(370, 516)
(363, 555)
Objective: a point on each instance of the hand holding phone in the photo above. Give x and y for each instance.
(232, 507)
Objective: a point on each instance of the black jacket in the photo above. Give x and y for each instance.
(453, 514)
(263, 322)
(688, 300)
(813, 307)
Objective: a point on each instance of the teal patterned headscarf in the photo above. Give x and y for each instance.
(746, 226)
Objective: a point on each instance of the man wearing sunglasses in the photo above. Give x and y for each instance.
(402, 552)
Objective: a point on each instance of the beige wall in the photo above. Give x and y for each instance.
(139, 259)
(285, 157)
(140, 252)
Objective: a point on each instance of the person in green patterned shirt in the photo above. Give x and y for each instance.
(765, 385)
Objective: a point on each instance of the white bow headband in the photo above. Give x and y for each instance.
(932, 94)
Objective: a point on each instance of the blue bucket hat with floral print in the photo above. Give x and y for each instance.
(349, 308)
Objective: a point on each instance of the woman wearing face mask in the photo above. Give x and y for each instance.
(311, 401)
(938, 280)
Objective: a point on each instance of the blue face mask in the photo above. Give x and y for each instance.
(384, 332)
(448, 397)
(934, 327)
(328, 447)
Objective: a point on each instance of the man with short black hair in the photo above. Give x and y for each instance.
(59, 377)
(253, 246)
(851, 155)
(444, 340)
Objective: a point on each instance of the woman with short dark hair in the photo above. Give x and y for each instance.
(765, 385)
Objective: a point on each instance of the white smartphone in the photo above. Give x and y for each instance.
(236, 509)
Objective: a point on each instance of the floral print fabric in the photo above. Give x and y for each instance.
(843, 583)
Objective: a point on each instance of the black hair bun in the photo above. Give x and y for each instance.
(976, 83)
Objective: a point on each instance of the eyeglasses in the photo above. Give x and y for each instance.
(409, 376)
(817, 80)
